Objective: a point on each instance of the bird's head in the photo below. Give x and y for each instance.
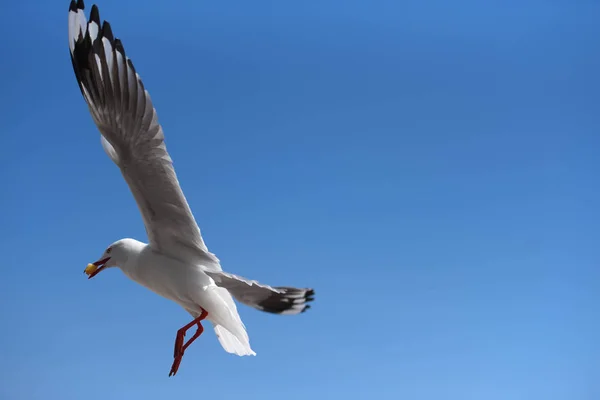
(115, 255)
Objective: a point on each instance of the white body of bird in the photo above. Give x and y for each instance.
(185, 284)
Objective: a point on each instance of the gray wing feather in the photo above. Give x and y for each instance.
(132, 137)
(277, 300)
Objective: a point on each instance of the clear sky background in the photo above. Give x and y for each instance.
(429, 167)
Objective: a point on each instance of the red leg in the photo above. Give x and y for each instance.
(180, 347)
(196, 336)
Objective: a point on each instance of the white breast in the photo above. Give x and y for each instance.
(168, 277)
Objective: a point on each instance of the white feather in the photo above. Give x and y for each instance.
(232, 344)
(77, 27)
(109, 59)
(93, 27)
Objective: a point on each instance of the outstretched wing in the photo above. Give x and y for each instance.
(132, 137)
(282, 300)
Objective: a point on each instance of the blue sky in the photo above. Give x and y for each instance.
(429, 168)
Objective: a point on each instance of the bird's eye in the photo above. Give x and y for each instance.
(108, 250)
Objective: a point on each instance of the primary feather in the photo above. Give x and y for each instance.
(132, 137)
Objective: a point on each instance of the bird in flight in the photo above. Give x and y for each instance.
(175, 263)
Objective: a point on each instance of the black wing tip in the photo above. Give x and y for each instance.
(119, 46)
(309, 295)
(104, 28)
(281, 302)
(95, 15)
(87, 45)
(107, 31)
(76, 5)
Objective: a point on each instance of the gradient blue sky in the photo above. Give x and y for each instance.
(429, 168)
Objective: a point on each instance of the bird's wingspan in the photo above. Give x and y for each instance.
(132, 137)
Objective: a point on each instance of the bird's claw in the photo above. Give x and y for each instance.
(175, 366)
(178, 355)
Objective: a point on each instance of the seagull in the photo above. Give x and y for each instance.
(175, 263)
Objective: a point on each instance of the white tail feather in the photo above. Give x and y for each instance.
(229, 327)
(232, 344)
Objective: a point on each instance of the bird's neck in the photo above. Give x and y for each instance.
(131, 262)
